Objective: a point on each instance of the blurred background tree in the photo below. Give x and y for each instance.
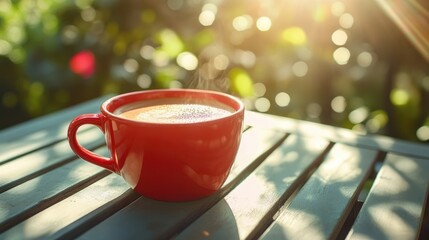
(343, 63)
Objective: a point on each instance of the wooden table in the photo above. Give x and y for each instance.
(291, 179)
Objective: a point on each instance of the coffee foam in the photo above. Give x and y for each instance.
(175, 113)
(174, 110)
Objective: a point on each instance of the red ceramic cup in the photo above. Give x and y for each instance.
(166, 161)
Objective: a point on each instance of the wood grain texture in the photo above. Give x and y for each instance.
(393, 208)
(40, 190)
(157, 219)
(239, 213)
(21, 169)
(57, 217)
(320, 207)
(37, 133)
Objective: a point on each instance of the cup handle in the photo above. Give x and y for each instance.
(93, 119)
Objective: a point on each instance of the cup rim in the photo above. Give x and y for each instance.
(119, 99)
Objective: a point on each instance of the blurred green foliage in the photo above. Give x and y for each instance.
(342, 63)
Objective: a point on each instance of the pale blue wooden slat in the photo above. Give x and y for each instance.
(49, 222)
(31, 193)
(319, 209)
(240, 212)
(39, 132)
(45, 158)
(154, 219)
(395, 204)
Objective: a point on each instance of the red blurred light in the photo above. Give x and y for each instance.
(83, 63)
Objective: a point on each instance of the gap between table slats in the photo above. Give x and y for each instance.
(395, 205)
(37, 194)
(157, 219)
(250, 206)
(46, 224)
(88, 221)
(44, 160)
(319, 209)
(21, 148)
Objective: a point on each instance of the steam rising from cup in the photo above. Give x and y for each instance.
(209, 76)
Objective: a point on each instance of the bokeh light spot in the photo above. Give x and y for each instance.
(339, 104)
(339, 37)
(5, 47)
(282, 99)
(245, 58)
(147, 52)
(260, 89)
(160, 58)
(206, 18)
(262, 104)
(88, 14)
(300, 69)
(423, 133)
(364, 59)
(359, 115)
(341, 56)
(171, 44)
(346, 21)
(221, 62)
(144, 81)
(294, 35)
(131, 65)
(242, 22)
(241, 82)
(83, 63)
(16, 34)
(337, 8)
(187, 61)
(399, 97)
(70, 34)
(263, 24)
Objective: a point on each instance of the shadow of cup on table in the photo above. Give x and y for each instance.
(152, 219)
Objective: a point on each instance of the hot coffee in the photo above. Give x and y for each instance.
(175, 113)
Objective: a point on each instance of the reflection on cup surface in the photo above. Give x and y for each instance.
(174, 160)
